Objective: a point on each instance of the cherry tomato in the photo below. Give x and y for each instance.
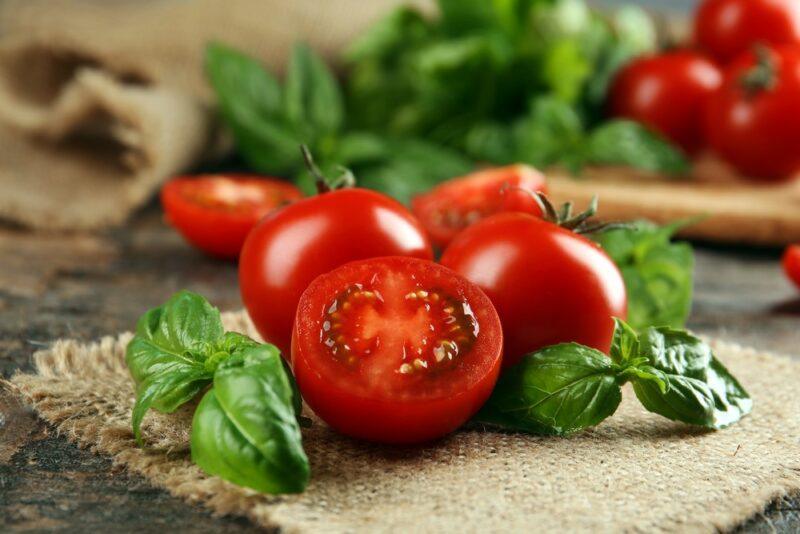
(215, 212)
(294, 245)
(548, 284)
(727, 28)
(752, 120)
(395, 350)
(667, 93)
(453, 205)
(791, 264)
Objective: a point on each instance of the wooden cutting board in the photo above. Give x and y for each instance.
(730, 208)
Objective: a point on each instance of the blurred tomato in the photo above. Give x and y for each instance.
(667, 92)
(753, 120)
(791, 264)
(727, 28)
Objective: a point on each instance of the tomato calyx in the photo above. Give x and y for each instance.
(323, 183)
(763, 76)
(579, 223)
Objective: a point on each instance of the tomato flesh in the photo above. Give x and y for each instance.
(395, 350)
(453, 205)
(548, 284)
(791, 264)
(216, 212)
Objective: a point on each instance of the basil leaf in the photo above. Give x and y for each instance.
(167, 356)
(623, 142)
(658, 274)
(557, 390)
(549, 134)
(313, 100)
(625, 342)
(245, 429)
(699, 390)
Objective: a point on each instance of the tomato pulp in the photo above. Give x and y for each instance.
(455, 204)
(791, 264)
(395, 350)
(548, 284)
(752, 120)
(294, 245)
(216, 212)
(667, 92)
(727, 28)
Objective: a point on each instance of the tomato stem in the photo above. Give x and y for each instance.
(580, 223)
(322, 182)
(763, 75)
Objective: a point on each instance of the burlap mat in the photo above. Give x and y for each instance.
(634, 472)
(101, 101)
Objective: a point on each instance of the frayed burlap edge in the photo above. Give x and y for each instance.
(77, 389)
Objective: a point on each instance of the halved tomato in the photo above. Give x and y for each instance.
(216, 212)
(453, 205)
(395, 349)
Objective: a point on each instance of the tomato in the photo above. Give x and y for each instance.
(294, 245)
(453, 205)
(548, 284)
(727, 28)
(216, 212)
(395, 350)
(752, 119)
(667, 93)
(791, 264)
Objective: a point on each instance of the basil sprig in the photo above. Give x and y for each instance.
(246, 428)
(568, 387)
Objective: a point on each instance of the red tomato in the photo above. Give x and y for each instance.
(753, 121)
(548, 284)
(727, 28)
(215, 213)
(791, 264)
(395, 350)
(294, 245)
(667, 93)
(453, 205)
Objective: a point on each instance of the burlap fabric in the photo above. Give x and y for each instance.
(635, 472)
(101, 101)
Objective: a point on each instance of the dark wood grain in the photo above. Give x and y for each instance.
(85, 287)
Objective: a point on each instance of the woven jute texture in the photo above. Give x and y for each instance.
(634, 472)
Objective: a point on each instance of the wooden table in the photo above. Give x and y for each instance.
(87, 286)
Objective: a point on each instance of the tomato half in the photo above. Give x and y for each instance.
(752, 121)
(791, 264)
(727, 28)
(667, 93)
(216, 212)
(294, 245)
(453, 205)
(548, 284)
(395, 350)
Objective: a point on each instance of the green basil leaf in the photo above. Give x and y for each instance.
(550, 134)
(167, 356)
(699, 390)
(361, 148)
(313, 100)
(658, 274)
(625, 343)
(557, 390)
(565, 68)
(401, 29)
(624, 142)
(245, 429)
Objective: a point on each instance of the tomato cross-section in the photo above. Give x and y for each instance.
(395, 349)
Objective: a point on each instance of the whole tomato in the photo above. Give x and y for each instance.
(292, 246)
(791, 264)
(727, 28)
(549, 284)
(753, 120)
(667, 92)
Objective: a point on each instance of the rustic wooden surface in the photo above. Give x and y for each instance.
(85, 287)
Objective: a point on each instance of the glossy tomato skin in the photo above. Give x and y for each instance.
(455, 204)
(391, 407)
(667, 92)
(727, 28)
(294, 245)
(216, 212)
(791, 264)
(548, 284)
(758, 132)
